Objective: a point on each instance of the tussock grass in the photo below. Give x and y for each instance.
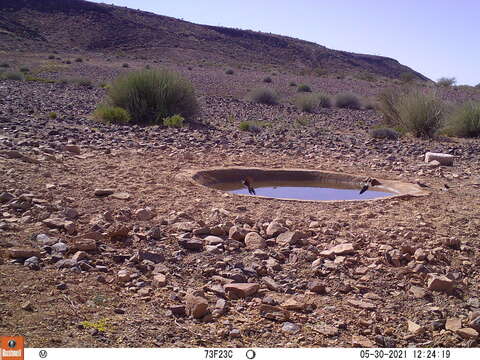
(447, 82)
(149, 96)
(263, 96)
(111, 114)
(304, 88)
(464, 121)
(348, 101)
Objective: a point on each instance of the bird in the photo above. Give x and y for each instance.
(369, 182)
(421, 184)
(247, 183)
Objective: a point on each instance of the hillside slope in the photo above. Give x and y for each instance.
(32, 25)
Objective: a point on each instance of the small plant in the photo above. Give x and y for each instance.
(230, 72)
(82, 82)
(447, 82)
(304, 88)
(384, 133)
(303, 121)
(79, 60)
(292, 83)
(388, 105)
(125, 65)
(51, 57)
(101, 325)
(268, 79)
(175, 121)
(249, 126)
(347, 101)
(68, 62)
(4, 65)
(406, 77)
(264, 96)
(52, 115)
(14, 75)
(324, 101)
(111, 114)
(24, 69)
(465, 120)
(306, 103)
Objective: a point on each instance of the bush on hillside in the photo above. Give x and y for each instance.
(306, 103)
(324, 101)
(149, 96)
(175, 121)
(229, 72)
(388, 105)
(447, 82)
(465, 120)
(14, 75)
(268, 79)
(263, 96)
(347, 101)
(304, 88)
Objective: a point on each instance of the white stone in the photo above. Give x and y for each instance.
(443, 159)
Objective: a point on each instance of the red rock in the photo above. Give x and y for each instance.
(467, 333)
(240, 290)
(85, 244)
(196, 306)
(290, 238)
(23, 253)
(440, 283)
(453, 324)
(159, 281)
(254, 241)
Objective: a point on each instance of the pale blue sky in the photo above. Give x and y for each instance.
(435, 37)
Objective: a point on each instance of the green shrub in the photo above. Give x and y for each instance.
(407, 77)
(465, 120)
(4, 65)
(304, 88)
(388, 105)
(229, 72)
(125, 65)
(292, 83)
(249, 126)
(14, 75)
(39, 79)
(82, 82)
(306, 103)
(268, 79)
(111, 114)
(324, 101)
(384, 133)
(347, 101)
(175, 121)
(264, 96)
(79, 60)
(52, 115)
(24, 69)
(447, 82)
(149, 96)
(419, 113)
(302, 121)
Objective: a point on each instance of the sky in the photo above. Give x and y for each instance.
(438, 38)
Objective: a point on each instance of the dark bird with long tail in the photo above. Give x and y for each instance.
(248, 184)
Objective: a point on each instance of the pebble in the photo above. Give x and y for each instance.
(240, 290)
(290, 328)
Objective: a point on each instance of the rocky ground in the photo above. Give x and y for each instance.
(105, 241)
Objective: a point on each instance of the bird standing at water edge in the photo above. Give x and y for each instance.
(369, 182)
(248, 184)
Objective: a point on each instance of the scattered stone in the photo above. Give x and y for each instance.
(440, 283)
(27, 306)
(443, 159)
(270, 283)
(65, 264)
(475, 323)
(103, 192)
(159, 281)
(70, 213)
(274, 313)
(118, 233)
(317, 287)
(74, 149)
(213, 240)
(326, 330)
(194, 244)
(291, 328)
(274, 229)
(144, 214)
(418, 292)
(237, 233)
(467, 333)
(254, 241)
(361, 341)
(341, 249)
(178, 310)
(123, 276)
(415, 328)
(85, 244)
(60, 248)
(121, 196)
(54, 223)
(235, 333)
(32, 262)
(6, 197)
(453, 324)
(362, 304)
(293, 304)
(196, 306)
(23, 253)
(240, 290)
(290, 238)
(80, 255)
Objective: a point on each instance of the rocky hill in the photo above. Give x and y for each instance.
(35, 26)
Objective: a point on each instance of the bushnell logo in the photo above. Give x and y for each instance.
(11, 347)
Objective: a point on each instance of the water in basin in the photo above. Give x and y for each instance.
(305, 191)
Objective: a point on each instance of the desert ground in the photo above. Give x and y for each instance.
(160, 261)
